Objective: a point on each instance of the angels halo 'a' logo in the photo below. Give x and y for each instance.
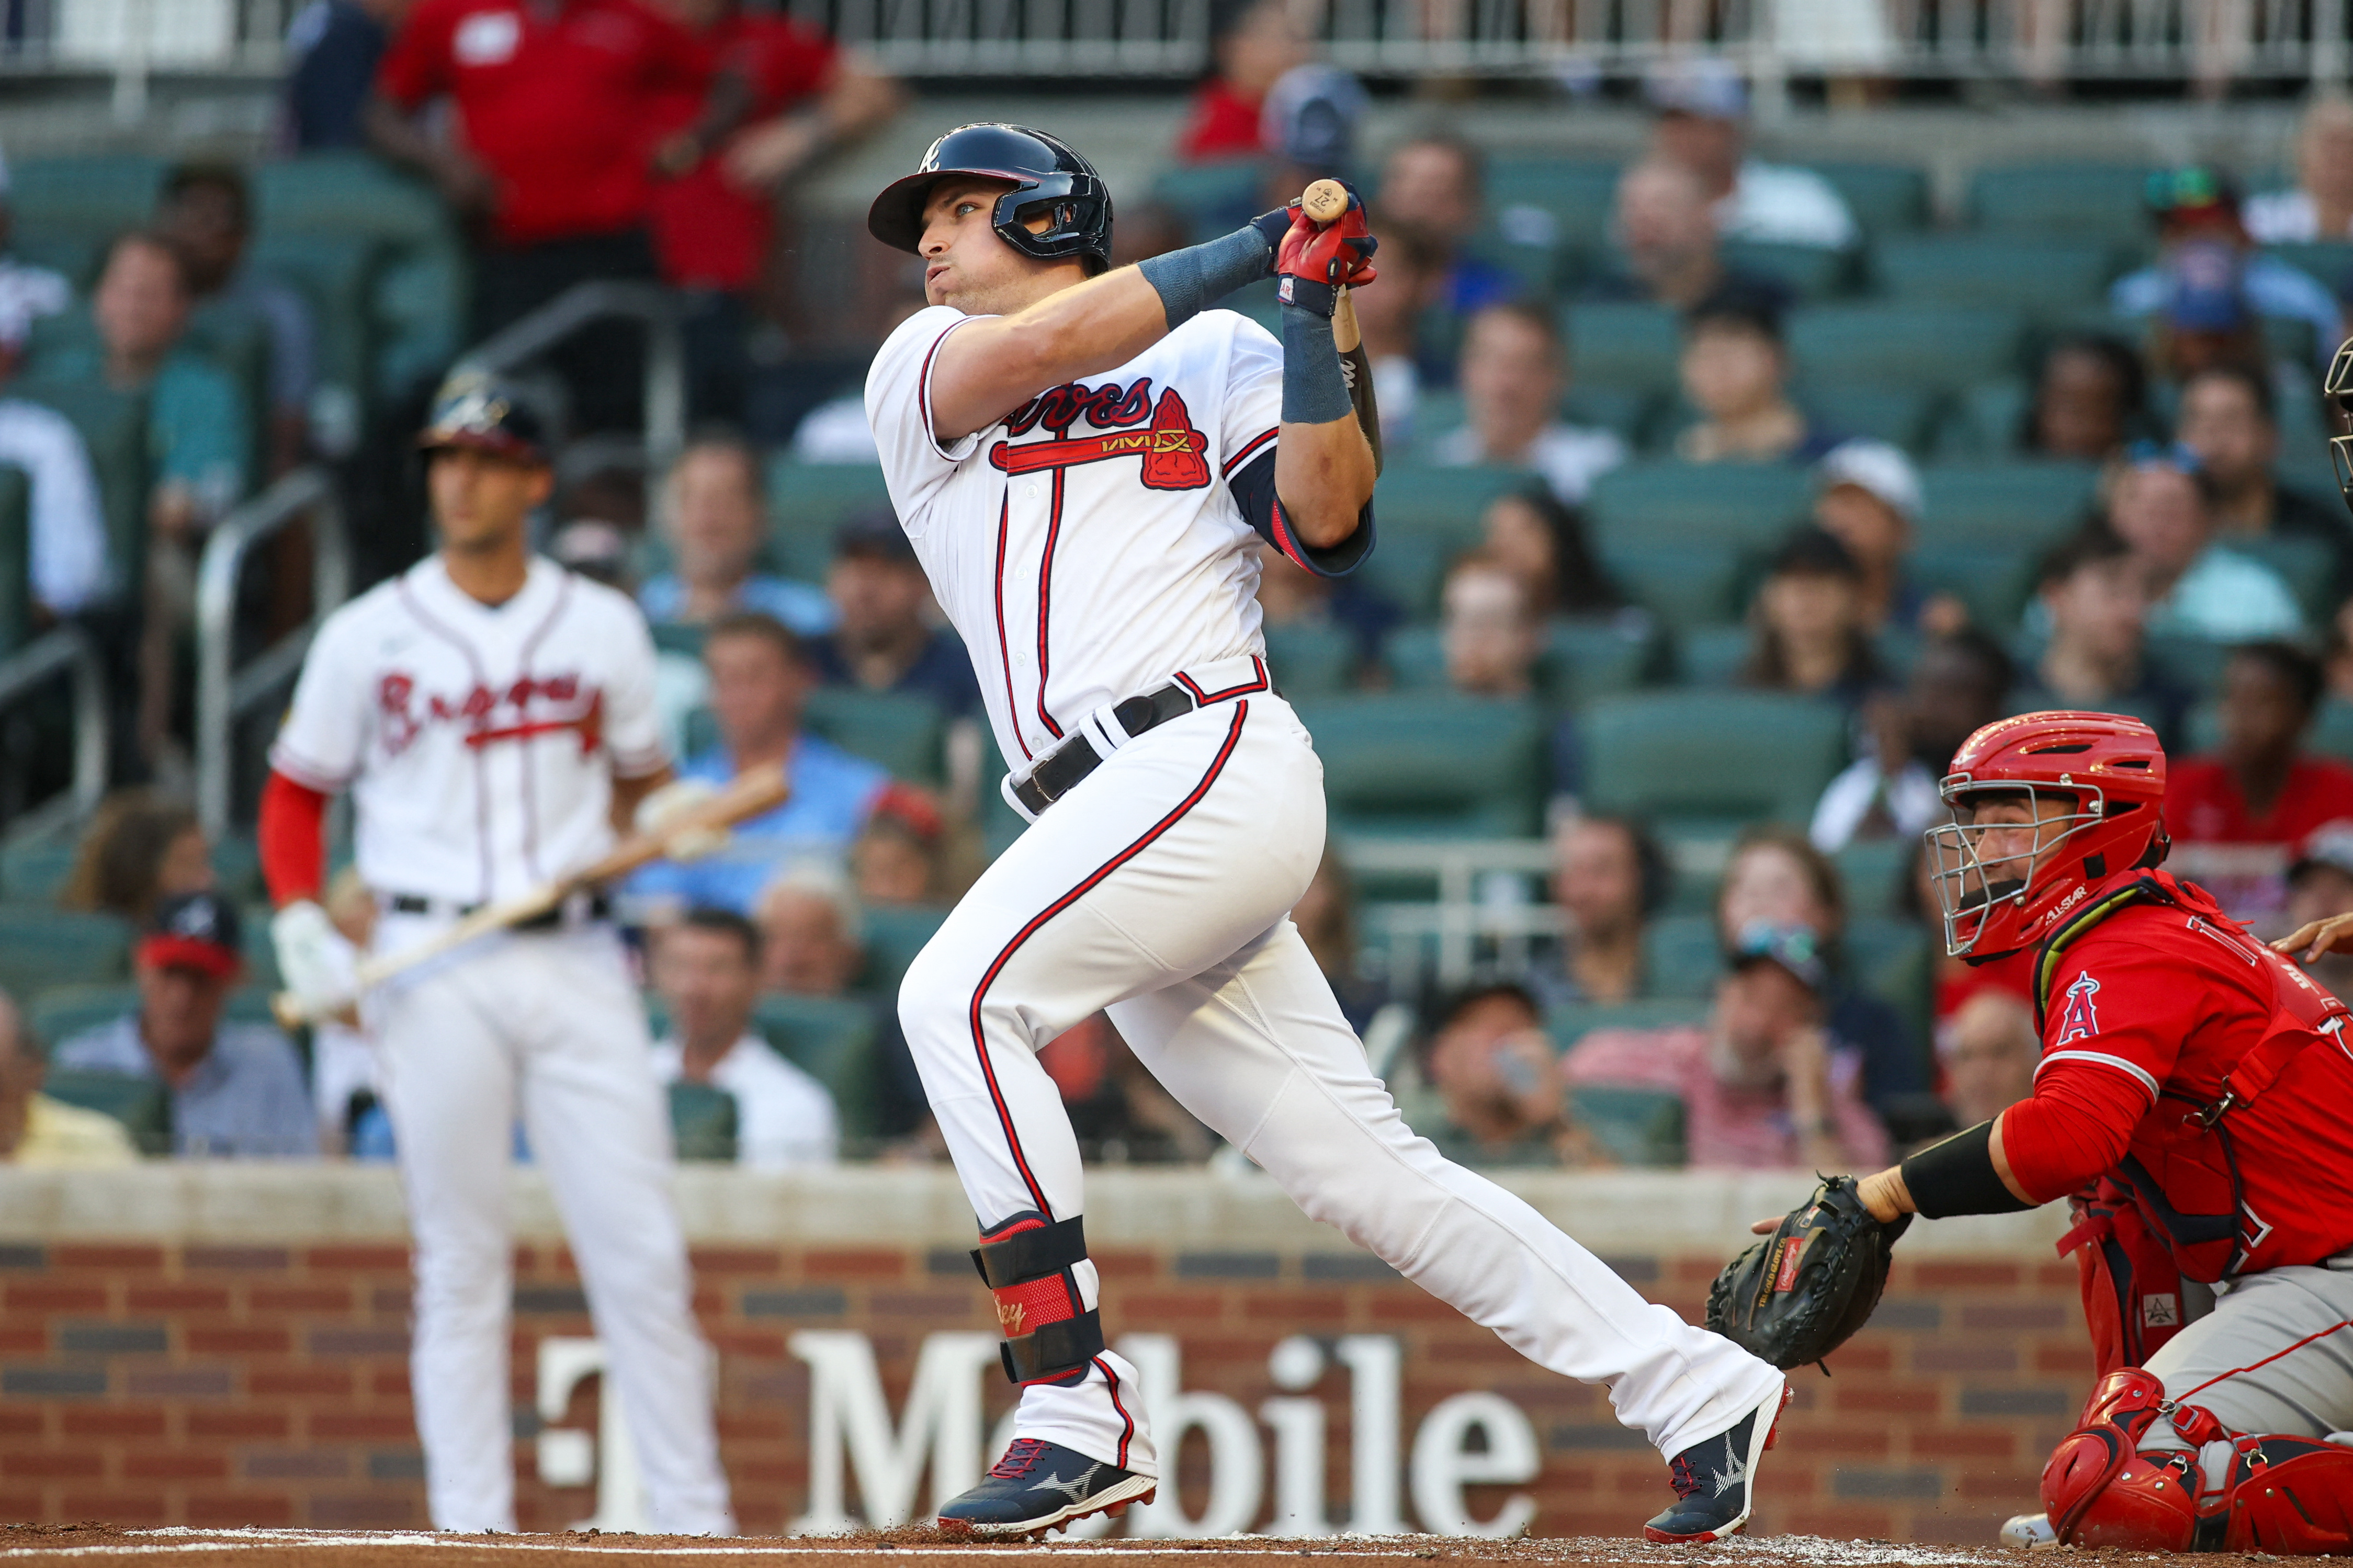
(2080, 1021)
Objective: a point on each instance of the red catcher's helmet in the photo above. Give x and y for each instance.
(2106, 769)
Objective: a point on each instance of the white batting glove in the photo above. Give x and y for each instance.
(318, 966)
(673, 801)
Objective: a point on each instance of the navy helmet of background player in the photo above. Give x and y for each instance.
(488, 414)
(1048, 175)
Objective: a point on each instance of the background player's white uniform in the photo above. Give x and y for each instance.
(1085, 561)
(480, 744)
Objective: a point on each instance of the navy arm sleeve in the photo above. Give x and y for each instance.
(1253, 491)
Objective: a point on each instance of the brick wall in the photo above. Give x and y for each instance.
(160, 1382)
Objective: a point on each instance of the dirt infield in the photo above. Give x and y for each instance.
(39, 1546)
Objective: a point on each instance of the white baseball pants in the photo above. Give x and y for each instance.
(1158, 888)
(546, 1024)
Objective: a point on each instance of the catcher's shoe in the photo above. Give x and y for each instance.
(1040, 1486)
(2031, 1530)
(1715, 1481)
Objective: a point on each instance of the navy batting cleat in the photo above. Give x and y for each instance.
(1715, 1481)
(1040, 1486)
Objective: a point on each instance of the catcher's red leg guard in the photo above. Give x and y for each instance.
(2287, 1496)
(2100, 1490)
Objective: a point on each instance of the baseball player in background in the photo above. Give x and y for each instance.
(2194, 1099)
(492, 715)
(1085, 461)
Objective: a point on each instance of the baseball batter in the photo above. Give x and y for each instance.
(492, 716)
(1085, 460)
(2195, 1098)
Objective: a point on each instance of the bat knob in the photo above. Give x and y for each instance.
(1324, 201)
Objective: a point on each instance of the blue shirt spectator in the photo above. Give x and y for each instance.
(206, 211)
(882, 640)
(336, 46)
(714, 519)
(236, 1088)
(760, 678)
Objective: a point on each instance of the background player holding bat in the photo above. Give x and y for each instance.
(492, 716)
(2194, 1101)
(1085, 460)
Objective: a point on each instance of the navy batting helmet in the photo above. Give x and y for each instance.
(1048, 177)
(483, 412)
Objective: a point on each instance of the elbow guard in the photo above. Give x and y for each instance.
(1956, 1176)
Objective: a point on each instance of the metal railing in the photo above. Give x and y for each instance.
(226, 691)
(584, 305)
(67, 653)
(2036, 41)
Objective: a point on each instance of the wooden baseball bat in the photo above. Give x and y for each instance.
(1324, 201)
(747, 795)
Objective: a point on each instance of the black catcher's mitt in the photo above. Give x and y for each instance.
(1803, 1291)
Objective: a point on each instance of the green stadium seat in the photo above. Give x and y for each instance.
(1902, 415)
(1588, 656)
(1940, 346)
(237, 342)
(1428, 498)
(895, 933)
(1415, 658)
(1808, 272)
(2331, 734)
(236, 865)
(1636, 1127)
(1713, 655)
(1626, 410)
(1215, 198)
(1525, 244)
(1994, 583)
(832, 1040)
(2103, 201)
(16, 559)
(58, 1013)
(1890, 959)
(1633, 347)
(142, 1104)
(702, 1121)
(1409, 567)
(335, 274)
(1571, 1021)
(1709, 758)
(42, 946)
(1886, 198)
(1982, 422)
(2021, 505)
(1872, 873)
(903, 732)
(2306, 566)
(1580, 196)
(1740, 506)
(1682, 955)
(1681, 585)
(33, 870)
(113, 426)
(93, 197)
(679, 637)
(816, 497)
(1997, 269)
(347, 194)
(73, 256)
(1311, 661)
(1437, 766)
(420, 312)
(2328, 260)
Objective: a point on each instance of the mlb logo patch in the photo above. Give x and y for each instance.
(2160, 1311)
(1283, 289)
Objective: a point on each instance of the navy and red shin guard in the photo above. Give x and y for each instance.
(1030, 1265)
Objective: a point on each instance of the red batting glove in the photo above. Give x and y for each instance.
(1314, 260)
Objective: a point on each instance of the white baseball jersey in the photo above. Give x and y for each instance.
(1087, 545)
(479, 743)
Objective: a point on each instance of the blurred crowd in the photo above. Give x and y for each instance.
(1782, 1007)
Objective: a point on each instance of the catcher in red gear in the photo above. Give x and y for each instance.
(2194, 1102)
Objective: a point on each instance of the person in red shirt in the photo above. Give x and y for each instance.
(713, 226)
(555, 150)
(2194, 1100)
(1252, 43)
(2235, 817)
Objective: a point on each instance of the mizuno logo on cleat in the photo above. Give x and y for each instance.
(1074, 1490)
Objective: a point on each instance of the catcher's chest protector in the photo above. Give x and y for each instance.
(2286, 1495)
(2182, 1174)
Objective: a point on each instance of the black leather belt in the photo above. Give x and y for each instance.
(597, 908)
(1057, 772)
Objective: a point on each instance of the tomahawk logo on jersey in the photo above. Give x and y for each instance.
(1098, 543)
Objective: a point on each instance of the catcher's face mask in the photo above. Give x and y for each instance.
(2337, 399)
(2000, 853)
